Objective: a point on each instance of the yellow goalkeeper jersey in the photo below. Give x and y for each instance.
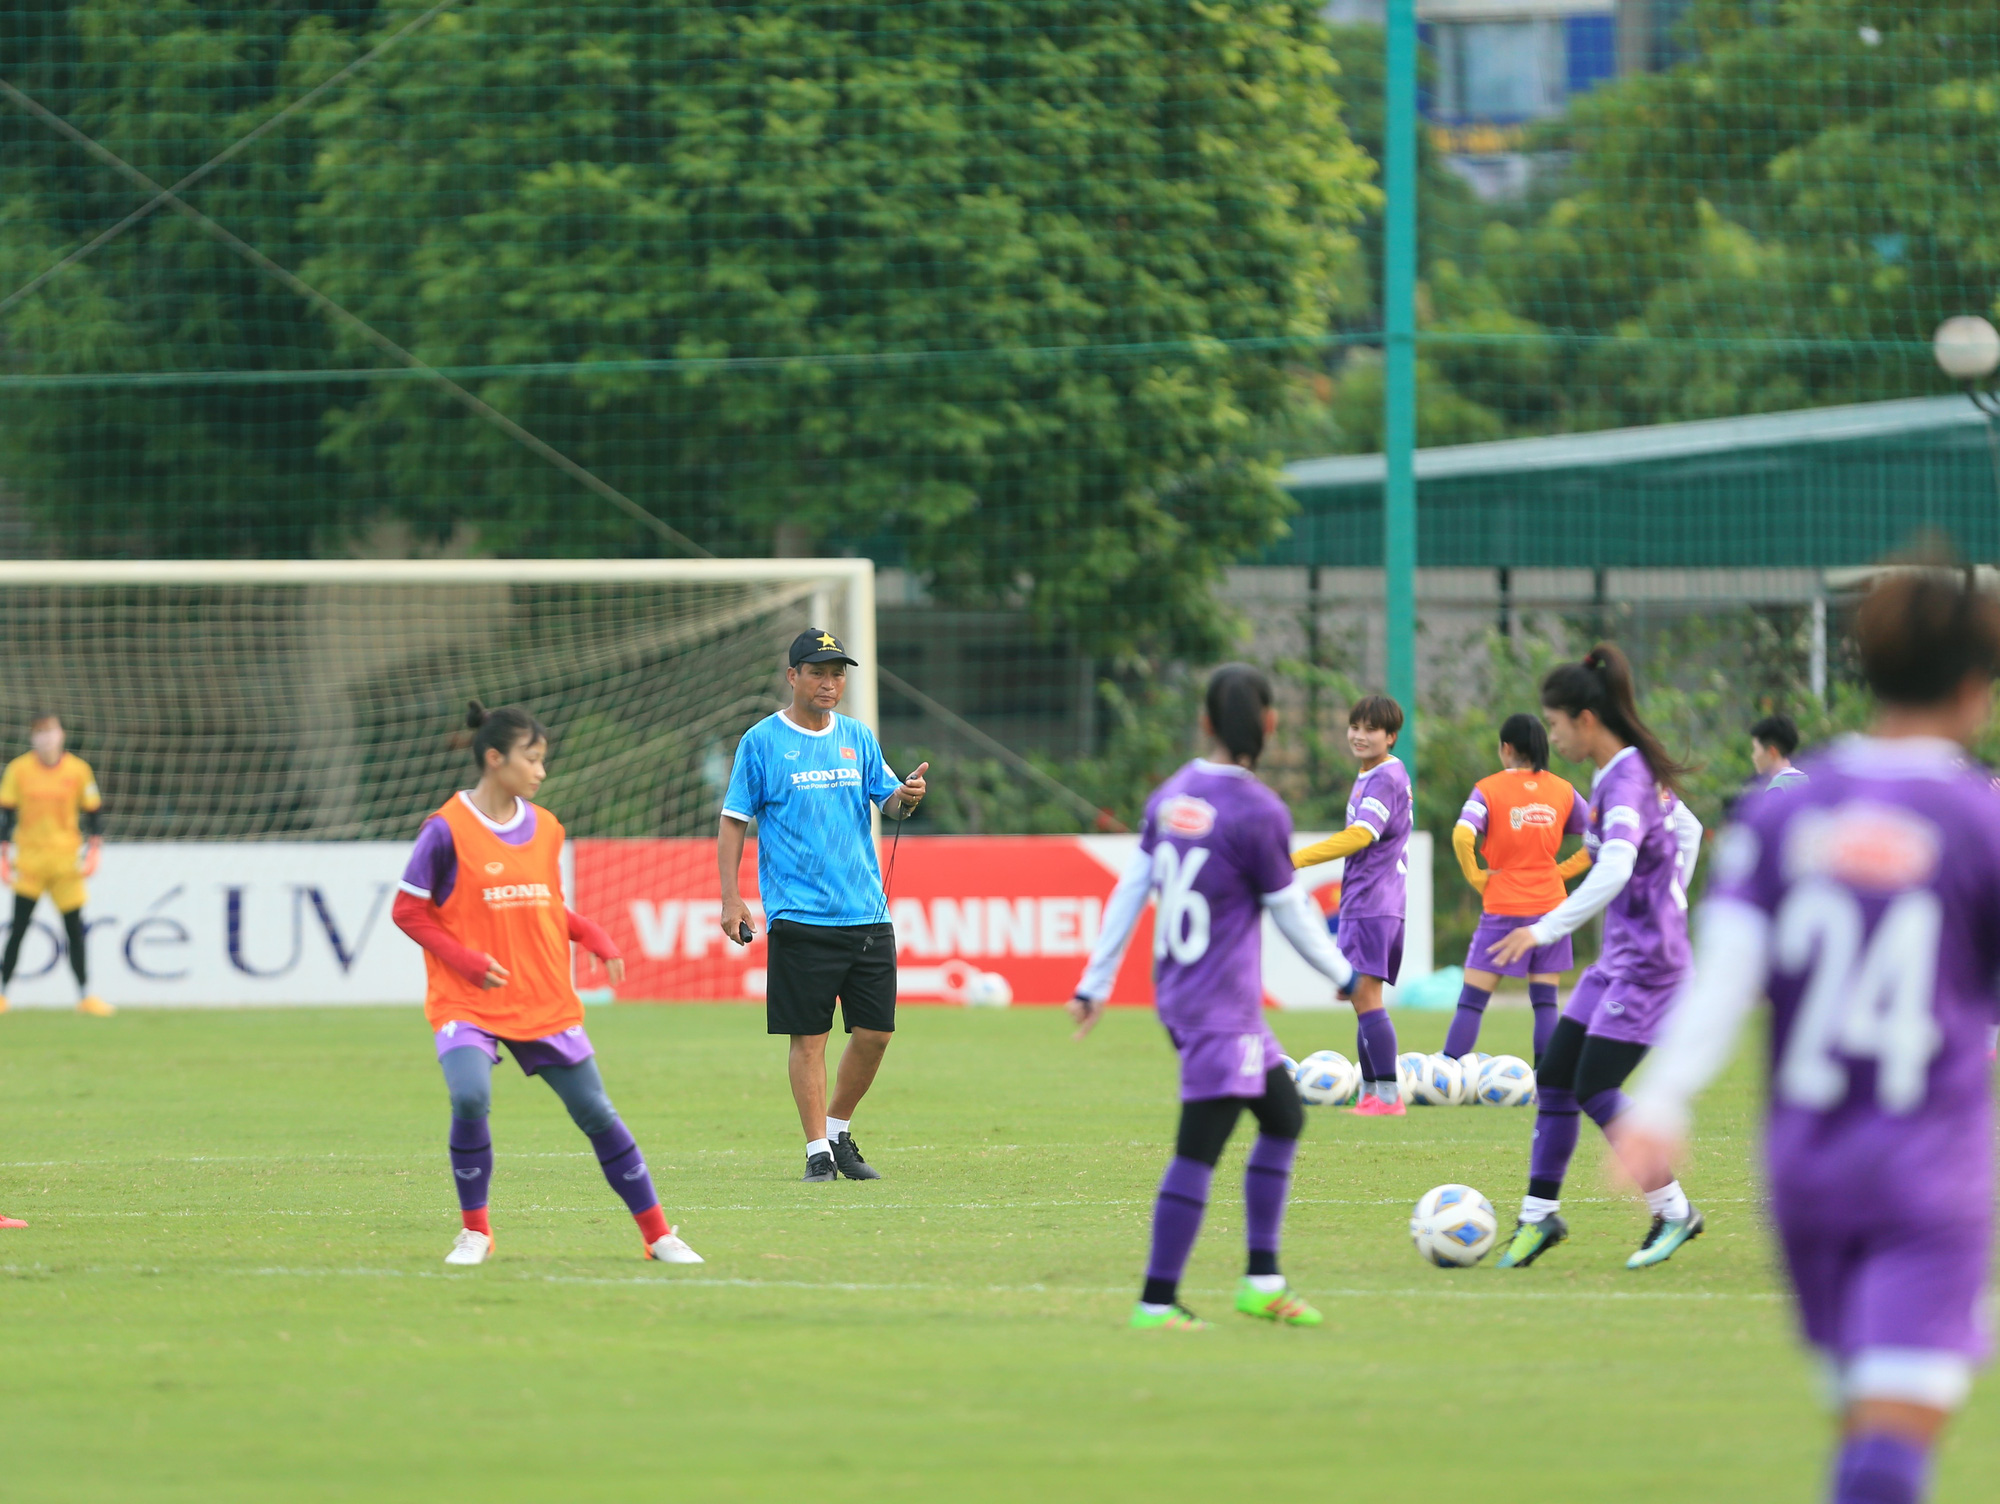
(48, 799)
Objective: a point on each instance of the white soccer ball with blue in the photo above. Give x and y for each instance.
(1327, 1078)
(1507, 1081)
(1469, 1067)
(1291, 1066)
(1439, 1083)
(1409, 1072)
(1453, 1226)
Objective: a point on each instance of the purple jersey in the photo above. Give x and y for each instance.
(1220, 841)
(1373, 881)
(1645, 926)
(1879, 878)
(432, 871)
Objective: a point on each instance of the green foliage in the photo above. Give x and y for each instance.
(1002, 289)
(1778, 222)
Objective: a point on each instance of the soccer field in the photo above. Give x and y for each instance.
(232, 1287)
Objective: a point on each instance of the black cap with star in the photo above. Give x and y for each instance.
(816, 646)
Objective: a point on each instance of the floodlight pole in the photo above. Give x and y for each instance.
(1399, 371)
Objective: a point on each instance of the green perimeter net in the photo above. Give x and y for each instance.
(1028, 302)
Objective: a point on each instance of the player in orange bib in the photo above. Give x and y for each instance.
(483, 896)
(1524, 811)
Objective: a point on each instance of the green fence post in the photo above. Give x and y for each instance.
(1399, 356)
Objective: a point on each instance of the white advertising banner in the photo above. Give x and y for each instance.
(194, 923)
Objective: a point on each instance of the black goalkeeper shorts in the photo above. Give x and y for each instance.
(812, 964)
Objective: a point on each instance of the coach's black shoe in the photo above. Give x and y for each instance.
(819, 1167)
(847, 1155)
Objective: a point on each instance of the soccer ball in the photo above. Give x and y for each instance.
(988, 990)
(1327, 1078)
(1507, 1081)
(1410, 1066)
(1440, 1084)
(1291, 1066)
(1469, 1067)
(1453, 1226)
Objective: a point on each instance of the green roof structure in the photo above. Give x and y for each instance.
(1827, 487)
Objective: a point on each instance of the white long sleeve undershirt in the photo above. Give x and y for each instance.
(1686, 827)
(1292, 910)
(1121, 917)
(1299, 920)
(1732, 961)
(1605, 881)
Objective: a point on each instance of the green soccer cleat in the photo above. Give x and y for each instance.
(1664, 1237)
(1175, 1318)
(1531, 1240)
(1281, 1306)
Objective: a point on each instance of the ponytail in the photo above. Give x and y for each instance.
(499, 731)
(1602, 684)
(1238, 696)
(1529, 738)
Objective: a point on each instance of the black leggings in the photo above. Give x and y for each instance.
(1207, 1124)
(1585, 1064)
(24, 914)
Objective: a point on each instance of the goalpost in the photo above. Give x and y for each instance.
(317, 700)
(270, 736)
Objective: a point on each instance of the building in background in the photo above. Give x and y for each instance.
(1498, 66)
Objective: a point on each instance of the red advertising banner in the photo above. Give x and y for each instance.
(980, 919)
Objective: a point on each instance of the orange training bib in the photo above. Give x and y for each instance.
(1525, 816)
(507, 902)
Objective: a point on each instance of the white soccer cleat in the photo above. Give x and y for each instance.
(671, 1250)
(470, 1247)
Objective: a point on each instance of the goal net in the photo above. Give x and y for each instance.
(319, 701)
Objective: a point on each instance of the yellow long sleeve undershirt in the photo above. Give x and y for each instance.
(1462, 838)
(1577, 864)
(1354, 838)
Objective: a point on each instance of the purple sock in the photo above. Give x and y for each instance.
(1605, 1106)
(1177, 1214)
(624, 1167)
(1542, 995)
(471, 1162)
(1556, 1127)
(1267, 1180)
(1878, 1469)
(1375, 1040)
(1464, 1032)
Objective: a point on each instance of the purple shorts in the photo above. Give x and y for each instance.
(1556, 956)
(1225, 1063)
(1373, 944)
(1612, 1008)
(570, 1047)
(1902, 1284)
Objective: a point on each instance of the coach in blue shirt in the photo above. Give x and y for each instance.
(808, 777)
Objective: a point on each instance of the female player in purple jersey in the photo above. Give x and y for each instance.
(1642, 859)
(1216, 848)
(1865, 903)
(1373, 891)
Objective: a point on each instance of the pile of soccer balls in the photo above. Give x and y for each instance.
(1327, 1078)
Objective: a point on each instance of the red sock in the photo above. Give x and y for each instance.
(652, 1224)
(475, 1220)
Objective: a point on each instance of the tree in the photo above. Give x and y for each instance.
(193, 447)
(1779, 222)
(1001, 290)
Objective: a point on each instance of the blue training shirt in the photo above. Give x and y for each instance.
(810, 793)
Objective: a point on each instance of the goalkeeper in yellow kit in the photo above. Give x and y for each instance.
(50, 838)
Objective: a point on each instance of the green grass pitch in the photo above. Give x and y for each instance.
(232, 1287)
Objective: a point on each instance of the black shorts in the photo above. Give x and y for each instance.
(811, 964)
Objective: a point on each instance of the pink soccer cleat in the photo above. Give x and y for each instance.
(1375, 1107)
